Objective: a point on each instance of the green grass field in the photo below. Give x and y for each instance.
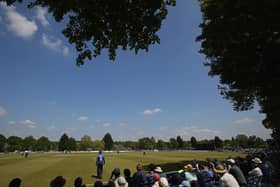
(39, 169)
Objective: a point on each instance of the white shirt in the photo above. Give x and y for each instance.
(227, 180)
(257, 172)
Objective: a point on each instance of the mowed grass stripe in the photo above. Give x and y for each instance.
(39, 169)
(26, 169)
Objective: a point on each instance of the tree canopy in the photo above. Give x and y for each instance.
(241, 40)
(108, 141)
(94, 25)
(2, 142)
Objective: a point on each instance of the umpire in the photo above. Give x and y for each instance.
(100, 161)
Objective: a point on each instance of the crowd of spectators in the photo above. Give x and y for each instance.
(233, 172)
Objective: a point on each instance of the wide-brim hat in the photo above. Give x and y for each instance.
(163, 182)
(220, 169)
(189, 167)
(257, 160)
(121, 182)
(232, 161)
(158, 169)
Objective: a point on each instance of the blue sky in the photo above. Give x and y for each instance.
(163, 93)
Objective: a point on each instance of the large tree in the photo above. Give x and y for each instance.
(241, 40)
(63, 142)
(43, 144)
(2, 142)
(161, 145)
(108, 141)
(218, 142)
(14, 143)
(72, 144)
(146, 143)
(94, 25)
(86, 143)
(173, 144)
(180, 142)
(193, 141)
(29, 143)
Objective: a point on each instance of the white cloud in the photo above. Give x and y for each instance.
(71, 129)
(65, 51)
(3, 111)
(245, 121)
(54, 44)
(106, 124)
(41, 16)
(18, 23)
(12, 122)
(83, 118)
(92, 126)
(199, 133)
(28, 123)
(151, 111)
(123, 124)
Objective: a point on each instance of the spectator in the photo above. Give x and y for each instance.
(139, 177)
(190, 175)
(78, 182)
(121, 182)
(256, 171)
(163, 182)
(15, 182)
(98, 184)
(206, 176)
(115, 174)
(127, 176)
(156, 178)
(159, 171)
(176, 180)
(237, 173)
(59, 181)
(255, 175)
(226, 179)
(267, 170)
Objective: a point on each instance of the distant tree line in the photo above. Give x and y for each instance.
(15, 143)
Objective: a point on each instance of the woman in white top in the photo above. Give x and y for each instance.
(256, 171)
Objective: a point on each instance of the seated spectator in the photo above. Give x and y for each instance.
(127, 176)
(190, 175)
(15, 182)
(156, 178)
(237, 173)
(59, 181)
(78, 182)
(139, 178)
(98, 184)
(267, 170)
(159, 171)
(115, 174)
(225, 179)
(163, 182)
(255, 175)
(205, 176)
(176, 180)
(121, 182)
